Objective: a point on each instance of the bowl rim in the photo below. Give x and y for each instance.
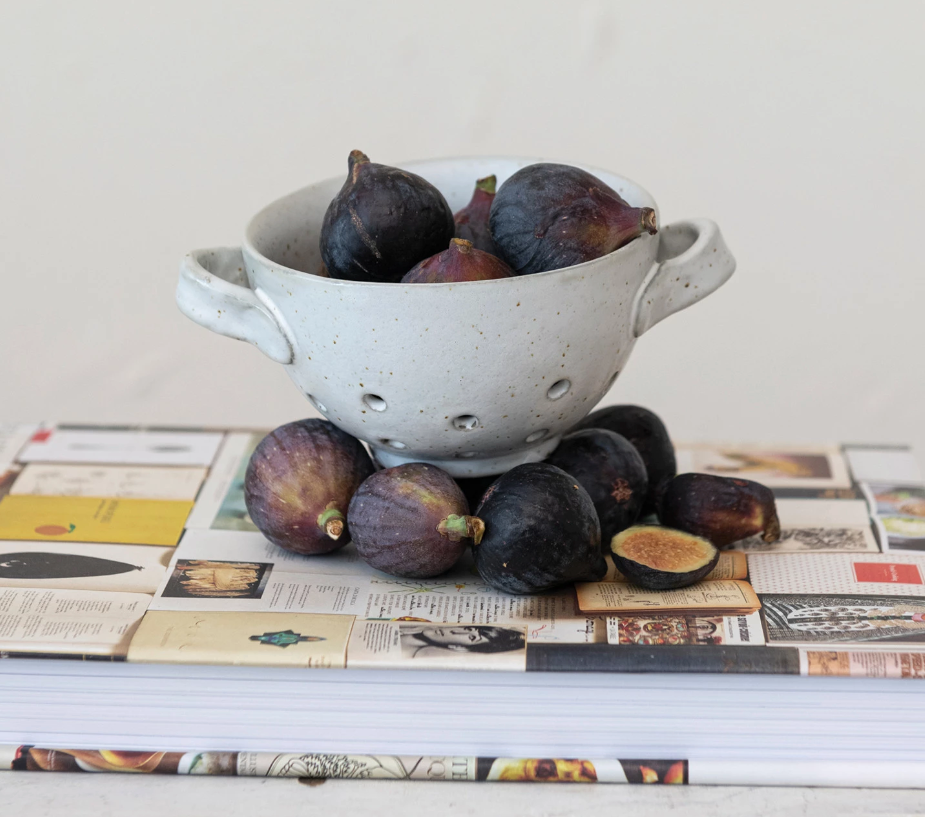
(248, 248)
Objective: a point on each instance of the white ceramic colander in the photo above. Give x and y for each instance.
(475, 377)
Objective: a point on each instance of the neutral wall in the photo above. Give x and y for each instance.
(131, 133)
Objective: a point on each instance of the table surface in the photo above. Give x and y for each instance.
(76, 795)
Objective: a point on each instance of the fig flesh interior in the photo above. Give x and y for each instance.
(662, 558)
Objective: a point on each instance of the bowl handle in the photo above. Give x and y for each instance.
(214, 292)
(693, 261)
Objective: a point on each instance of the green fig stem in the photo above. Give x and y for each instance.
(354, 161)
(456, 527)
(648, 221)
(487, 185)
(772, 528)
(332, 520)
(462, 245)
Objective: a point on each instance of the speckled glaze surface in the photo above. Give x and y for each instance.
(474, 377)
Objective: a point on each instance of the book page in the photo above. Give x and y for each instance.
(122, 447)
(888, 464)
(684, 629)
(406, 645)
(123, 482)
(81, 566)
(226, 473)
(862, 664)
(13, 437)
(72, 622)
(731, 565)
(93, 519)
(244, 639)
(894, 574)
(721, 596)
(214, 585)
(794, 466)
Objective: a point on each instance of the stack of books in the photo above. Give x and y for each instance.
(151, 628)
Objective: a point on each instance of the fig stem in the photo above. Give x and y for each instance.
(648, 221)
(456, 527)
(354, 160)
(487, 185)
(332, 520)
(772, 528)
(462, 245)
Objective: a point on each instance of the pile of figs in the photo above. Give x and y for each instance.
(610, 488)
(388, 225)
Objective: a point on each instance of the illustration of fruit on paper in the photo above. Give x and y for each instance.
(90, 519)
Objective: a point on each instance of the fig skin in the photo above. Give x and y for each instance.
(382, 222)
(667, 542)
(611, 470)
(461, 262)
(472, 220)
(721, 509)
(411, 521)
(648, 435)
(299, 483)
(549, 216)
(541, 531)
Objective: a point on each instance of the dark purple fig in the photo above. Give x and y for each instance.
(549, 216)
(541, 531)
(649, 437)
(461, 262)
(611, 471)
(660, 558)
(299, 482)
(721, 509)
(412, 520)
(472, 220)
(382, 222)
(474, 488)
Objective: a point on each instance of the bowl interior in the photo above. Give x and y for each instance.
(286, 233)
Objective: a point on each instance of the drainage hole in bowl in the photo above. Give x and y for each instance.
(317, 403)
(559, 389)
(375, 402)
(465, 422)
(465, 455)
(393, 444)
(536, 436)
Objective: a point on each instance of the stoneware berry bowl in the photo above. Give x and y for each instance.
(475, 377)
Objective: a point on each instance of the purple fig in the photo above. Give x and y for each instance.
(382, 222)
(721, 509)
(412, 521)
(541, 531)
(549, 216)
(472, 220)
(461, 262)
(608, 467)
(648, 435)
(299, 483)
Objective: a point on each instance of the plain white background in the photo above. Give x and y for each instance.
(132, 133)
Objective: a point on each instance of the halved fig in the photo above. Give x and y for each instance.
(660, 558)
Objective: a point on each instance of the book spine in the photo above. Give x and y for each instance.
(310, 766)
(637, 658)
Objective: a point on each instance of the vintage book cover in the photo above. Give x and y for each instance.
(245, 639)
(93, 519)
